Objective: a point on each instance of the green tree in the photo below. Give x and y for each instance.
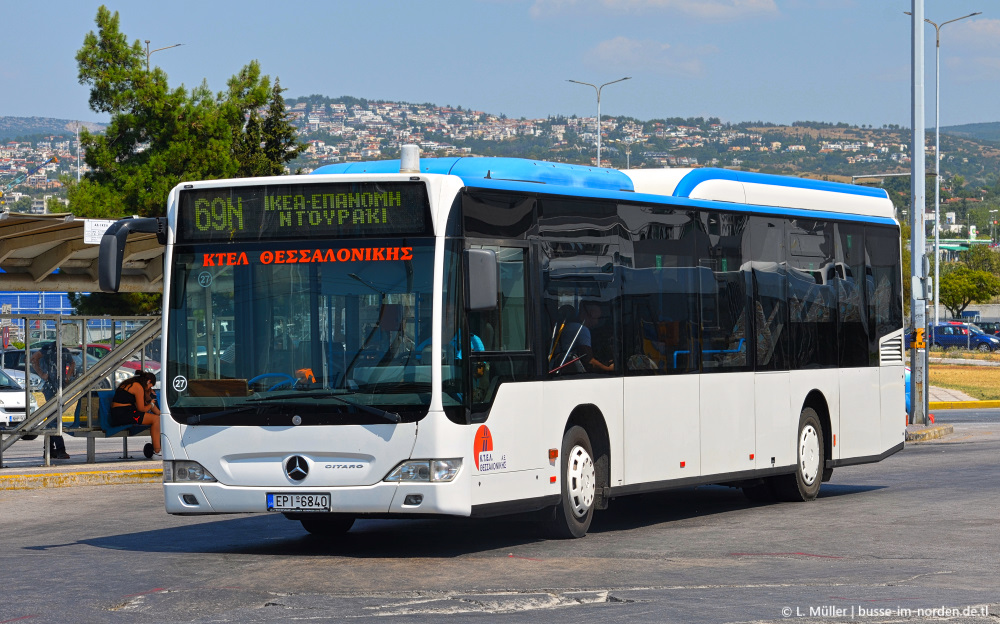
(116, 304)
(981, 258)
(159, 136)
(963, 286)
(21, 205)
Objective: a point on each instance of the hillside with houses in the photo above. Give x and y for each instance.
(349, 129)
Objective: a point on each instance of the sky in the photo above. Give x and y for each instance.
(740, 60)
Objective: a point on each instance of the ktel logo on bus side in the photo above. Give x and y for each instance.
(486, 460)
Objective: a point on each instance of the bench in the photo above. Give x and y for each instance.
(100, 403)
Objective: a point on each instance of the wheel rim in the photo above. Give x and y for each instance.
(809, 454)
(581, 482)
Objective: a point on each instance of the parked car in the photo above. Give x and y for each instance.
(18, 376)
(990, 327)
(959, 335)
(14, 359)
(12, 401)
(99, 351)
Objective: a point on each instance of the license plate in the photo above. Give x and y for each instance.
(298, 502)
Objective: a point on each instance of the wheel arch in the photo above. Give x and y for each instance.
(591, 419)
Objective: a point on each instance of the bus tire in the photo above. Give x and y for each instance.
(326, 525)
(804, 484)
(579, 486)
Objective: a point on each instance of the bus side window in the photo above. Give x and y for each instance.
(726, 340)
(505, 328)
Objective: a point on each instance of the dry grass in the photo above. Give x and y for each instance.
(962, 354)
(981, 382)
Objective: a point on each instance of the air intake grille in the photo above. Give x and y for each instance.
(891, 351)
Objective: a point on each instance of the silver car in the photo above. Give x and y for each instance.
(12, 400)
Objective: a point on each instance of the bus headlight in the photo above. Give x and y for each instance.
(183, 471)
(426, 470)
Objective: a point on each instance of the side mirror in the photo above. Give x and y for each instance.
(109, 263)
(481, 278)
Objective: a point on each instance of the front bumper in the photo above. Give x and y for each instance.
(452, 499)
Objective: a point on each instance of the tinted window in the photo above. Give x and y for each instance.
(580, 306)
(497, 215)
(726, 331)
(770, 310)
(849, 277)
(663, 290)
(885, 309)
(506, 328)
(812, 294)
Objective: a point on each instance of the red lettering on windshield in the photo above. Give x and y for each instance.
(295, 256)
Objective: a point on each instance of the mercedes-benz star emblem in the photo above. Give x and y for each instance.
(296, 468)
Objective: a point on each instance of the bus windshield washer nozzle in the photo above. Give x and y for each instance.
(409, 161)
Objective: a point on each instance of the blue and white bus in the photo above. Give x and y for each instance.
(489, 336)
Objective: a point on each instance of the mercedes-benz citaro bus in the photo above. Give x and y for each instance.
(491, 336)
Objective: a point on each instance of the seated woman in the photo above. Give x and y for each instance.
(133, 405)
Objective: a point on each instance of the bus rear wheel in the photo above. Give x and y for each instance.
(579, 486)
(804, 484)
(326, 525)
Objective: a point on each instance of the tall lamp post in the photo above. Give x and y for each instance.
(937, 153)
(150, 52)
(993, 222)
(598, 90)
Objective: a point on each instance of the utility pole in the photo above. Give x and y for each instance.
(918, 257)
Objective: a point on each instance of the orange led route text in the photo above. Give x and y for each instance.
(296, 256)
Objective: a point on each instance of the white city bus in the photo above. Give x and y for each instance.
(489, 336)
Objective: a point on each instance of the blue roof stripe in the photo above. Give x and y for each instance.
(472, 170)
(532, 176)
(688, 183)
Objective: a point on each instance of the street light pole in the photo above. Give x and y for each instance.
(918, 273)
(598, 90)
(937, 155)
(149, 52)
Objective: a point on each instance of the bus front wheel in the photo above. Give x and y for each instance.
(326, 525)
(804, 484)
(579, 486)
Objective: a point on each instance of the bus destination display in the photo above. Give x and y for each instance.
(303, 211)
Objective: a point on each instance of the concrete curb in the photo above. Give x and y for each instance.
(929, 433)
(946, 405)
(71, 478)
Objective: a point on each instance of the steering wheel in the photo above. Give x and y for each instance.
(287, 380)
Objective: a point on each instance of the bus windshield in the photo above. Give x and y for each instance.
(313, 333)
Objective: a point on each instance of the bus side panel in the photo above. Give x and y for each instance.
(860, 403)
(775, 427)
(827, 382)
(661, 428)
(519, 449)
(561, 397)
(894, 416)
(728, 430)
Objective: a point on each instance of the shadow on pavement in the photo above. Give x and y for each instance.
(431, 538)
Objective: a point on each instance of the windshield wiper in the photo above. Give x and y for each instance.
(392, 417)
